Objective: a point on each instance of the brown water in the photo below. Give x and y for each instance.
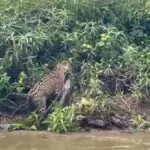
(79, 141)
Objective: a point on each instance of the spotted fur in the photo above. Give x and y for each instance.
(50, 83)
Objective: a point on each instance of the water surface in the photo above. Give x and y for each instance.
(23, 140)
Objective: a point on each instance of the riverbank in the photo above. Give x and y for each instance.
(124, 118)
(107, 46)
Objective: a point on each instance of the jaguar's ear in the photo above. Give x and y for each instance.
(63, 65)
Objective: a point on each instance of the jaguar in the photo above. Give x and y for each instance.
(52, 82)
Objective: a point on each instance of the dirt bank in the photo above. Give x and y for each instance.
(122, 116)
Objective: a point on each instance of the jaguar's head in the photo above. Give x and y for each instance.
(63, 67)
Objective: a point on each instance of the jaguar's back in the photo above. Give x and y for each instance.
(50, 83)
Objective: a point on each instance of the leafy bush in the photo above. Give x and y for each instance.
(30, 123)
(68, 119)
(139, 123)
(96, 37)
(62, 120)
(4, 84)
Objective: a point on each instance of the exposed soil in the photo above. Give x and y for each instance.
(118, 118)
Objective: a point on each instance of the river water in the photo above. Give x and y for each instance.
(23, 140)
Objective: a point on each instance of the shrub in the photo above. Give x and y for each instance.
(97, 37)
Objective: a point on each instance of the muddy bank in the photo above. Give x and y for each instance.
(121, 117)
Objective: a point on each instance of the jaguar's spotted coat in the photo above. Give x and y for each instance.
(50, 83)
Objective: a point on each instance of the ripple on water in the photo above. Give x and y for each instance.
(83, 141)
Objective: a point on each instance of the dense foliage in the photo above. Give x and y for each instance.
(106, 42)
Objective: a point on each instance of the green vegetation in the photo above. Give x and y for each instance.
(62, 120)
(31, 123)
(138, 123)
(106, 42)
